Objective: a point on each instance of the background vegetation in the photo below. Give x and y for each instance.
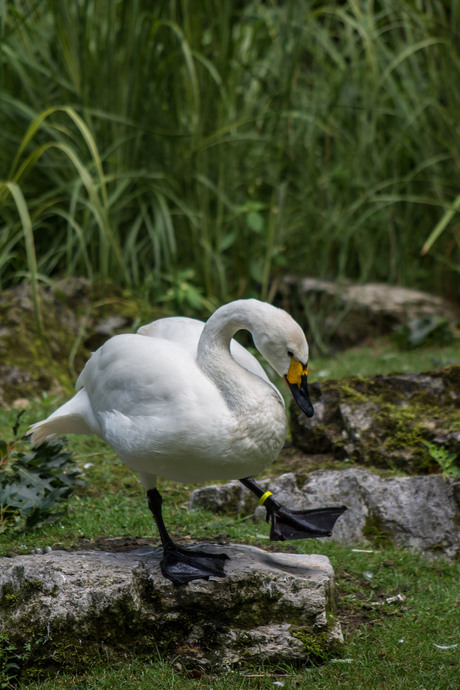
(198, 151)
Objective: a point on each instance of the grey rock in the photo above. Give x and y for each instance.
(233, 497)
(265, 610)
(228, 497)
(420, 513)
(351, 313)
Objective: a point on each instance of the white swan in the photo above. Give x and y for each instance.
(181, 400)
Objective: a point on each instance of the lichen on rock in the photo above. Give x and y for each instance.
(75, 319)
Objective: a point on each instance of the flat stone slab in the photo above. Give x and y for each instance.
(270, 607)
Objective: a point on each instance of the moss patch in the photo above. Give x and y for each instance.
(317, 645)
(11, 598)
(375, 531)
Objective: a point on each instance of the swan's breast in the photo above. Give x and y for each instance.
(196, 447)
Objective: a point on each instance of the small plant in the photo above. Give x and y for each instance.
(185, 294)
(444, 459)
(8, 665)
(34, 484)
(12, 659)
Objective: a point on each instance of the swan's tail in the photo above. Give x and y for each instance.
(74, 417)
(50, 428)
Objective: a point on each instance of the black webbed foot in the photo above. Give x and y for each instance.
(294, 524)
(300, 524)
(181, 565)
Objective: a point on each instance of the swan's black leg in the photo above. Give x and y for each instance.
(294, 524)
(181, 565)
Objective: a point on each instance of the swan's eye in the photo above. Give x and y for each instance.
(290, 354)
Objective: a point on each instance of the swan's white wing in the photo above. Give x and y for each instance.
(182, 330)
(74, 417)
(138, 376)
(186, 332)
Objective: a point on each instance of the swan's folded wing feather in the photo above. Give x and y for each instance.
(187, 332)
(177, 329)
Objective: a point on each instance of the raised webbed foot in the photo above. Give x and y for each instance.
(294, 524)
(182, 565)
(300, 524)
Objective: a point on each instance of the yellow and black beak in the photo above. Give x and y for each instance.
(296, 379)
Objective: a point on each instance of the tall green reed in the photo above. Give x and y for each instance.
(205, 149)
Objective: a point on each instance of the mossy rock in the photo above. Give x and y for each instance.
(383, 421)
(47, 354)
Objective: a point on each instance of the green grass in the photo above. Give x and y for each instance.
(387, 645)
(381, 356)
(196, 154)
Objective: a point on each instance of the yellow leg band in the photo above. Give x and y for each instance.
(263, 498)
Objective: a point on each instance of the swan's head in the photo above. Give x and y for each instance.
(284, 345)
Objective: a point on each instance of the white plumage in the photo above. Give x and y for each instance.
(181, 400)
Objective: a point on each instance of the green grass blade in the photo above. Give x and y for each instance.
(27, 229)
(441, 226)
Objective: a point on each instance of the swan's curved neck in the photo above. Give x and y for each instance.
(224, 323)
(214, 356)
